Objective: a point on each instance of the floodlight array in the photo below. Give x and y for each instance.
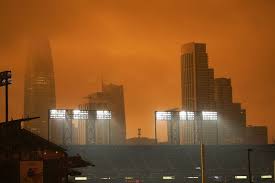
(164, 116)
(209, 116)
(186, 115)
(5, 78)
(79, 114)
(103, 115)
(57, 114)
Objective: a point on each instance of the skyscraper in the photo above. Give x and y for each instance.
(232, 121)
(256, 135)
(197, 88)
(110, 98)
(223, 93)
(225, 105)
(39, 87)
(202, 92)
(197, 79)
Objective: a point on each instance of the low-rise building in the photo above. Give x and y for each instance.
(25, 156)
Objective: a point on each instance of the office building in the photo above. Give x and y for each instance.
(111, 98)
(232, 122)
(39, 86)
(256, 135)
(197, 79)
(201, 92)
(197, 89)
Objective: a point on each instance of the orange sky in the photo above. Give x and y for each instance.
(137, 43)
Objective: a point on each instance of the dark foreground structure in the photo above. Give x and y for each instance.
(175, 163)
(27, 157)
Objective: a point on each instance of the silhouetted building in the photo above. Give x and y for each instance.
(197, 79)
(39, 88)
(202, 92)
(22, 151)
(27, 157)
(223, 94)
(256, 135)
(232, 121)
(197, 88)
(111, 98)
(224, 103)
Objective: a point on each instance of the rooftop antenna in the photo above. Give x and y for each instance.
(139, 132)
(102, 82)
(97, 83)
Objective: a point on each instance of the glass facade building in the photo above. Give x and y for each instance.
(39, 86)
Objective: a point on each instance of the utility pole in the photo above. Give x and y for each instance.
(249, 168)
(202, 163)
(5, 80)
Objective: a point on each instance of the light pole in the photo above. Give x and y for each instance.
(249, 167)
(109, 126)
(217, 133)
(202, 153)
(5, 80)
(156, 140)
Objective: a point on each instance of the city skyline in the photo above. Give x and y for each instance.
(200, 90)
(239, 47)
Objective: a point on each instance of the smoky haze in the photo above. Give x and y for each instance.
(137, 43)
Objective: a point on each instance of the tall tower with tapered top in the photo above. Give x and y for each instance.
(39, 86)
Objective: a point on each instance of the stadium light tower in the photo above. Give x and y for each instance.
(5, 80)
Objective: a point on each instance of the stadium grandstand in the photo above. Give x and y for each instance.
(175, 163)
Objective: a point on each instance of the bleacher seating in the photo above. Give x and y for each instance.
(155, 161)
